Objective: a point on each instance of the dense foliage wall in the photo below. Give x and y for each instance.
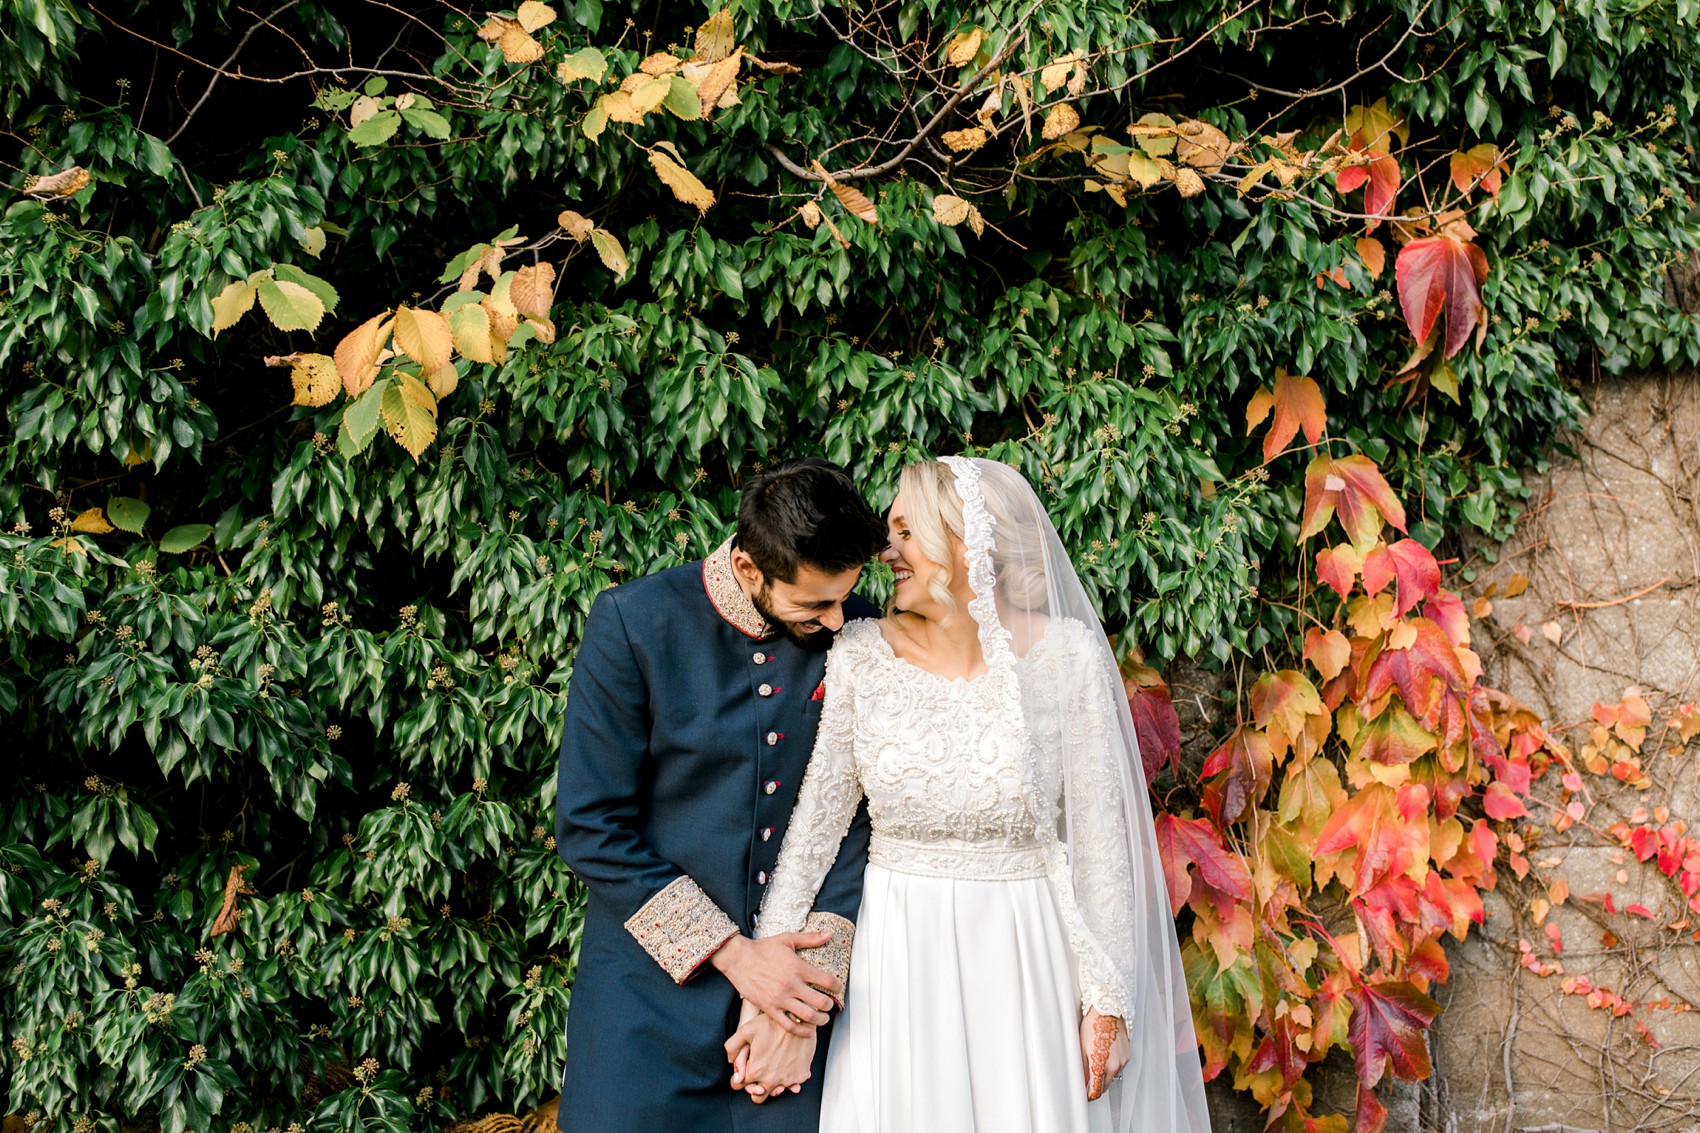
(283, 695)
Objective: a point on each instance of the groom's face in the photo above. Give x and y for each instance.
(809, 609)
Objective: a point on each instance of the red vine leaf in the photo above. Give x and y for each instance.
(1247, 761)
(1422, 671)
(1196, 842)
(1157, 727)
(1411, 564)
(1388, 1021)
(1442, 275)
(1386, 844)
(1381, 172)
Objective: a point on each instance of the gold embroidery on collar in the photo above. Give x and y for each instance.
(728, 598)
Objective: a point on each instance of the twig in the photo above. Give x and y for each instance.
(1616, 601)
(219, 71)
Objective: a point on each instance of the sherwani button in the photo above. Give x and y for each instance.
(772, 786)
(765, 690)
(761, 878)
(759, 658)
(766, 833)
(772, 738)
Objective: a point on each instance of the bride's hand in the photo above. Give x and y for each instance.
(1104, 1051)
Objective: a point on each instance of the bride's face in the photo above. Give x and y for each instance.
(913, 570)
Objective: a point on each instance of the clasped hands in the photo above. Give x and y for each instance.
(785, 999)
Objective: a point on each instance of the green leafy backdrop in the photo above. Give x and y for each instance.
(247, 670)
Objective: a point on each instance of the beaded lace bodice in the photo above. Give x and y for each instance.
(959, 784)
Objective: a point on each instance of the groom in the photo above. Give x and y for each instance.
(690, 719)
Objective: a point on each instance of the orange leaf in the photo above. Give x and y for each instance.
(1422, 672)
(1441, 274)
(1282, 702)
(357, 353)
(1297, 403)
(1386, 844)
(1184, 842)
(533, 290)
(234, 887)
(1339, 567)
(1355, 486)
(1328, 650)
(1373, 254)
(1392, 739)
(1478, 165)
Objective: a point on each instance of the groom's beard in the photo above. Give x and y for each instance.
(815, 639)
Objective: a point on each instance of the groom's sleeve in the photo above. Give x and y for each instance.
(836, 905)
(599, 788)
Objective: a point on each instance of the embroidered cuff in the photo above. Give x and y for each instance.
(681, 927)
(834, 955)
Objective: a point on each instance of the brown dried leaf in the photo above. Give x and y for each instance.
(661, 63)
(1203, 146)
(533, 290)
(92, 521)
(234, 887)
(1055, 74)
(976, 221)
(1023, 99)
(843, 240)
(773, 68)
(576, 225)
(495, 26)
(357, 354)
(1517, 584)
(1188, 182)
(811, 214)
(532, 15)
(718, 80)
(964, 46)
(1061, 119)
(543, 329)
(62, 184)
(715, 38)
(363, 108)
(965, 141)
(855, 202)
(316, 380)
(682, 181)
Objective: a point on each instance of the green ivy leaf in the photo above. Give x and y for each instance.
(377, 129)
(433, 124)
(127, 514)
(186, 537)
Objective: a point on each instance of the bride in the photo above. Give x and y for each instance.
(1015, 966)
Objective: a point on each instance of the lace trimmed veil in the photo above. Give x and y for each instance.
(1103, 859)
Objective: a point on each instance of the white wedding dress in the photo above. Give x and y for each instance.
(979, 943)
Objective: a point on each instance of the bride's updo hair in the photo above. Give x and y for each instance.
(934, 516)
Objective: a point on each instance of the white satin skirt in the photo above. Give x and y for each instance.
(962, 1014)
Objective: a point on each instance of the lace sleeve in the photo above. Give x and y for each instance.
(1102, 873)
(825, 805)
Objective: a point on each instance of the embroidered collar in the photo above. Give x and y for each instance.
(728, 598)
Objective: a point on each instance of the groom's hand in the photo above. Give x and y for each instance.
(793, 993)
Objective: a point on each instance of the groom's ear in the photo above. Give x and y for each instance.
(745, 568)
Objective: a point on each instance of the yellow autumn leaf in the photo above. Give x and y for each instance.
(410, 414)
(533, 290)
(363, 108)
(424, 336)
(650, 93)
(976, 221)
(715, 38)
(443, 382)
(542, 329)
(964, 46)
(518, 46)
(587, 63)
(1202, 146)
(92, 521)
(532, 15)
(357, 354)
(950, 210)
(661, 63)
(965, 141)
(608, 248)
(315, 379)
(1059, 120)
(617, 107)
(229, 305)
(1053, 75)
(682, 181)
(470, 326)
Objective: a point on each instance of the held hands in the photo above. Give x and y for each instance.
(765, 1059)
(769, 974)
(1104, 1049)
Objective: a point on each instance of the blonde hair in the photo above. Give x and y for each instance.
(934, 517)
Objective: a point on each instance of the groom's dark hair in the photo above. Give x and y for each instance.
(806, 513)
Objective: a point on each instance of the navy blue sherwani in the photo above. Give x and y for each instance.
(689, 724)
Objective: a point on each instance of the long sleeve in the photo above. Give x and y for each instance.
(826, 805)
(604, 749)
(1101, 920)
